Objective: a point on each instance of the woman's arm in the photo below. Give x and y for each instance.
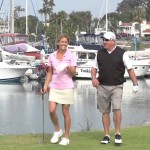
(72, 71)
(48, 79)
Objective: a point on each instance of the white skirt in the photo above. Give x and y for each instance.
(62, 96)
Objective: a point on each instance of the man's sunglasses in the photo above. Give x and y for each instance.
(105, 39)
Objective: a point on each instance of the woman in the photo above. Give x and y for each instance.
(62, 67)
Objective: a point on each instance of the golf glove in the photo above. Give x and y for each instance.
(62, 66)
(135, 88)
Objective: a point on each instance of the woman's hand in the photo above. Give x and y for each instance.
(44, 90)
(62, 66)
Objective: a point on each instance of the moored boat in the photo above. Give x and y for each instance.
(141, 67)
(85, 59)
(18, 43)
(13, 69)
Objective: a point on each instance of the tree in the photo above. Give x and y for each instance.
(81, 20)
(47, 9)
(139, 14)
(62, 22)
(148, 11)
(21, 27)
(127, 6)
(17, 11)
(58, 25)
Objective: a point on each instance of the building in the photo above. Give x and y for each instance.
(132, 28)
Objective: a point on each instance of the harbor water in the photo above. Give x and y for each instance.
(21, 109)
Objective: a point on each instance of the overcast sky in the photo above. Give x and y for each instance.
(97, 7)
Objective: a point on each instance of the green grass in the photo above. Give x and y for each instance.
(134, 138)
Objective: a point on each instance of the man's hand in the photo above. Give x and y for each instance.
(95, 82)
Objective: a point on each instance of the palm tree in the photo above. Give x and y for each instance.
(47, 9)
(17, 11)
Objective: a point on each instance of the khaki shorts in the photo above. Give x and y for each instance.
(109, 96)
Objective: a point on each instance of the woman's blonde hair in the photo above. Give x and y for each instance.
(60, 37)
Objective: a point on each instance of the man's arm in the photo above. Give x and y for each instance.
(132, 76)
(95, 82)
(134, 80)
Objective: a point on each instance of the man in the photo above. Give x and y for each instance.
(111, 63)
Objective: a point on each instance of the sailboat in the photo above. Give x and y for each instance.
(18, 43)
(17, 56)
(93, 41)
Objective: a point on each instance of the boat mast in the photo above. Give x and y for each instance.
(106, 15)
(26, 17)
(99, 30)
(11, 16)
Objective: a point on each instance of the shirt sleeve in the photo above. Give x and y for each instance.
(127, 61)
(95, 65)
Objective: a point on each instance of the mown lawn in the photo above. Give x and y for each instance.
(134, 138)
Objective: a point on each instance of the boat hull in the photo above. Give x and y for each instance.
(140, 71)
(85, 72)
(13, 70)
(11, 74)
(140, 67)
